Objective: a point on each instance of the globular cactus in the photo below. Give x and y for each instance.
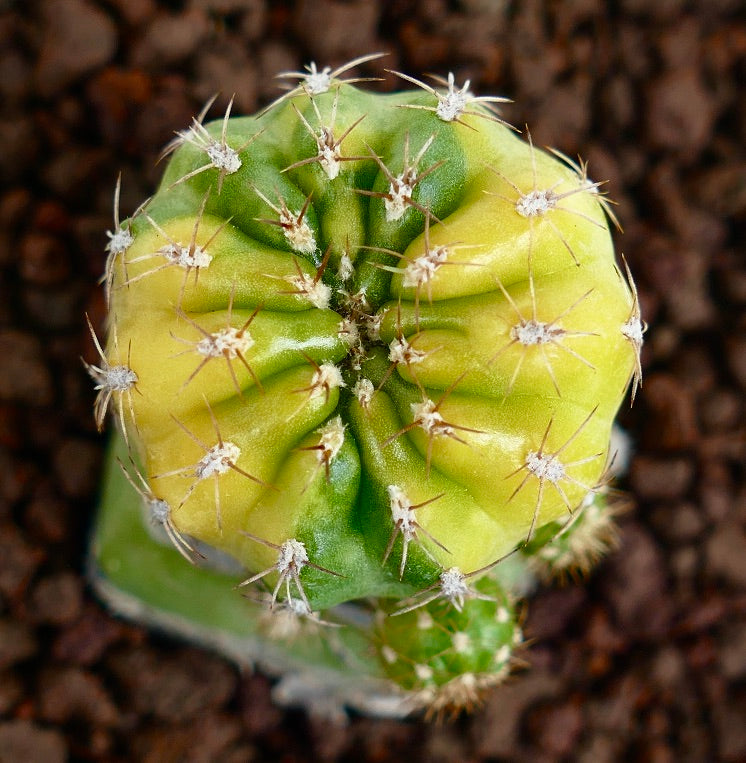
(370, 348)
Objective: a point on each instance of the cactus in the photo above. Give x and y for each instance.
(364, 353)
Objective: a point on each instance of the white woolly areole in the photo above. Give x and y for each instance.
(588, 185)
(223, 157)
(453, 587)
(297, 232)
(217, 460)
(503, 654)
(535, 332)
(326, 377)
(297, 608)
(318, 293)
(348, 331)
(363, 391)
(401, 351)
(425, 416)
(536, 203)
(423, 672)
(286, 621)
(119, 241)
(388, 654)
(159, 510)
(186, 257)
(424, 620)
(114, 378)
(292, 557)
(461, 642)
(632, 330)
(453, 103)
(423, 268)
(453, 583)
(401, 511)
(346, 268)
(332, 439)
(317, 82)
(545, 466)
(399, 196)
(502, 615)
(373, 327)
(329, 157)
(228, 342)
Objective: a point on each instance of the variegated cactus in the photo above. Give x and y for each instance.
(369, 348)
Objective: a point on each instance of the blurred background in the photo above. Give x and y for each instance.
(645, 660)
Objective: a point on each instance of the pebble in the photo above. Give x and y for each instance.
(444, 744)
(672, 414)
(15, 78)
(16, 477)
(116, 94)
(679, 44)
(135, 12)
(679, 275)
(725, 551)
(86, 640)
(71, 694)
(169, 38)
(22, 740)
(54, 309)
(174, 687)
(17, 642)
(56, 599)
(76, 465)
(552, 610)
(496, 730)
(350, 29)
(259, 715)
(655, 478)
(722, 189)
(730, 728)
(678, 523)
(18, 562)
(635, 585)
(21, 142)
(46, 515)
(212, 737)
(680, 113)
(77, 38)
(732, 652)
(25, 378)
(556, 727)
(736, 352)
(228, 64)
(43, 259)
(660, 11)
(565, 116)
(12, 691)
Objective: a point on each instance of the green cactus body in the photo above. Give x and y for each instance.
(447, 652)
(373, 337)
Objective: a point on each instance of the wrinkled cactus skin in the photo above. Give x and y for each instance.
(364, 339)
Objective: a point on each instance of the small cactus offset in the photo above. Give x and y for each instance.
(364, 355)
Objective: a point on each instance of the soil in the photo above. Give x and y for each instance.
(645, 660)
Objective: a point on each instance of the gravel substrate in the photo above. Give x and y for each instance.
(646, 660)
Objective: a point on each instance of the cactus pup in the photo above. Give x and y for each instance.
(364, 356)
